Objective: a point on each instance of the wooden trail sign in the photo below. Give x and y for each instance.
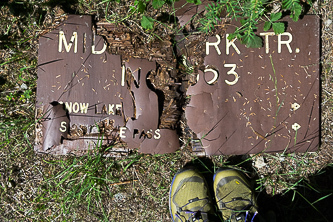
(245, 100)
(252, 100)
(87, 97)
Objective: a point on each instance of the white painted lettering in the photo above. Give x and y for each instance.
(93, 51)
(267, 34)
(96, 110)
(136, 81)
(111, 109)
(62, 40)
(84, 42)
(84, 107)
(287, 42)
(123, 72)
(122, 132)
(104, 109)
(157, 135)
(68, 106)
(76, 107)
(143, 134)
(63, 127)
(232, 72)
(230, 43)
(135, 132)
(215, 44)
(213, 80)
(118, 107)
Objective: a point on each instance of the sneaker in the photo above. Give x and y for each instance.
(189, 198)
(234, 196)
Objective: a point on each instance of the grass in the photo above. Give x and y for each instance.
(298, 187)
(83, 179)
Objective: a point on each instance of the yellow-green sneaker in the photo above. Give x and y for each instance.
(234, 196)
(189, 198)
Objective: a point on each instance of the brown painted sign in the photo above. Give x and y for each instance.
(252, 100)
(86, 96)
(245, 100)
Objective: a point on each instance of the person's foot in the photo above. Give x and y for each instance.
(189, 198)
(234, 196)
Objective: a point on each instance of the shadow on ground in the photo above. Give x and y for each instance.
(309, 201)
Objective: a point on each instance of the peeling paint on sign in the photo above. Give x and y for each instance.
(252, 100)
(86, 96)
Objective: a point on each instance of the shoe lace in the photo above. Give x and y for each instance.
(247, 215)
(245, 209)
(194, 215)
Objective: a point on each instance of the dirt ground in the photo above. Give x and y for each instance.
(296, 186)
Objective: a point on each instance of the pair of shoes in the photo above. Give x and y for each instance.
(190, 198)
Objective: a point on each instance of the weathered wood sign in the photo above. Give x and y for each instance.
(245, 100)
(252, 100)
(87, 96)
